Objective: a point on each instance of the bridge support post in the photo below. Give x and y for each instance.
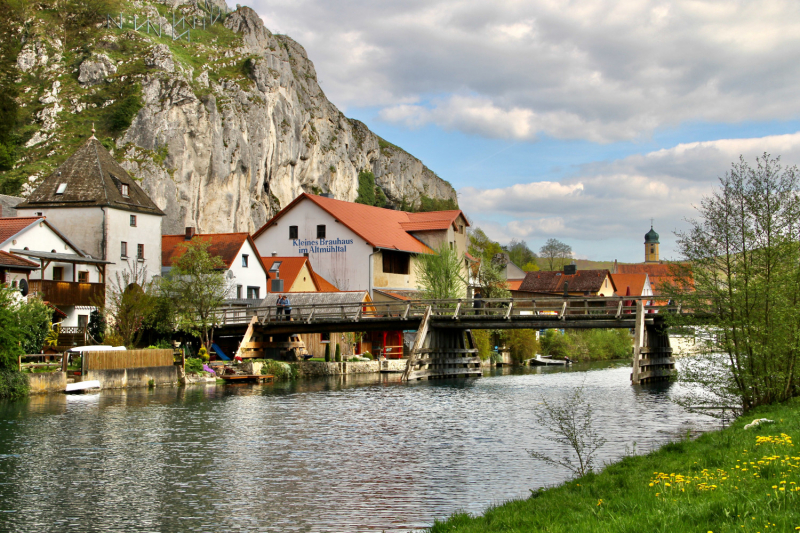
(442, 353)
(652, 354)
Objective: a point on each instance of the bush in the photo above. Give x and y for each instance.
(97, 325)
(13, 385)
(279, 369)
(328, 353)
(123, 112)
(587, 345)
(35, 321)
(203, 354)
(193, 365)
(554, 343)
(483, 342)
(522, 344)
(367, 355)
(338, 353)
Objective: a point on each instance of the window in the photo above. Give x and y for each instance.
(652, 248)
(395, 262)
(452, 245)
(292, 232)
(238, 292)
(245, 259)
(140, 251)
(124, 190)
(58, 273)
(321, 231)
(83, 276)
(133, 221)
(83, 321)
(252, 293)
(123, 249)
(61, 188)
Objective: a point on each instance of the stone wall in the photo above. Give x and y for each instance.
(133, 377)
(319, 368)
(47, 382)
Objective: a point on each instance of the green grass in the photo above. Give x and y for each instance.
(727, 483)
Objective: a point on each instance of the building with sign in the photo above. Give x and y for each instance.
(361, 247)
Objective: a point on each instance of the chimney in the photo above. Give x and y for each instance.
(570, 270)
(189, 234)
(615, 267)
(274, 254)
(1, 210)
(566, 289)
(305, 254)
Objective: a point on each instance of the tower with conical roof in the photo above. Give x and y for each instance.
(651, 245)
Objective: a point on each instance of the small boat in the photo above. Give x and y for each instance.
(82, 386)
(546, 360)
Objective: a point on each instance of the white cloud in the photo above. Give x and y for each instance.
(604, 208)
(602, 70)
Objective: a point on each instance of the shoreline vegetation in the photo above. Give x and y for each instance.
(733, 479)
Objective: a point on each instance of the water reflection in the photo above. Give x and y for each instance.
(361, 453)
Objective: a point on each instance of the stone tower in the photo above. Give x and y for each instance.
(651, 246)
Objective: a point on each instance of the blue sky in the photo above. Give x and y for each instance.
(577, 120)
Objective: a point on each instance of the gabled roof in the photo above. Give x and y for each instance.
(635, 282)
(514, 284)
(290, 268)
(14, 261)
(93, 178)
(9, 227)
(659, 273)
(400, 295)
(9, 204)
(223, 245)
(552, 282)
(380, 228)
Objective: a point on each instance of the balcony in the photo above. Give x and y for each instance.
(68, 292)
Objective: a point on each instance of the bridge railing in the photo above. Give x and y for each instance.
(456, 309)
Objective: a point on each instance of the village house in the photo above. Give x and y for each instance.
(15, 272)
(100, 208)
(569, 282)
(243, 266)
(360, 247)
(633, 285)
(66, 278)
(294, 274)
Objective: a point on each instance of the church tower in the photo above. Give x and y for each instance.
(651, 246)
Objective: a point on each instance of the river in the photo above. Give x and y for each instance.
(366, 453)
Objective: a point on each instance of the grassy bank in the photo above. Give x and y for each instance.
(724, 481)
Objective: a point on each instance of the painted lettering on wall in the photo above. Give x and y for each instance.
(321, 246)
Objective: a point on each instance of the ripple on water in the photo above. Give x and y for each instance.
(362, 454)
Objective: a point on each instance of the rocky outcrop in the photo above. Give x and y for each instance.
(224, 145)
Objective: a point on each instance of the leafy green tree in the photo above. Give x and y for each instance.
(520, 254)
(481, 246)
(35, 321)
(197, 286)
(743, 275)
(555, 254)
(338, 352)
(439, 275)
(328, 352)
(10, 330)
(492, 280)
(521, 343)
(97, 326)
(483, 341)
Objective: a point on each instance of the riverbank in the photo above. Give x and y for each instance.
(728, 480)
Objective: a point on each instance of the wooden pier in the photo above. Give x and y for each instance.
(246, 378)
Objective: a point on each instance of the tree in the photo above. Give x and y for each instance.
(10, 330)
(521, 343)
(520, 254)
(481, 246)
(571, 422)
(129, 300)
(743, 276)
(492, 280)
(197, 286)
(439, 275)
(35, 320)
(97, 326)
(555, 253)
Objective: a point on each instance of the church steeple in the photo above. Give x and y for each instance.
(651, 245)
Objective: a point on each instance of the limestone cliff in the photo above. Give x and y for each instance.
(223, 130)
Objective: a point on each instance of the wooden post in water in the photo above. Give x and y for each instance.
(652, 354)
(638, 342)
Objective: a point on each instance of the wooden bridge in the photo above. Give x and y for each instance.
(444, 345)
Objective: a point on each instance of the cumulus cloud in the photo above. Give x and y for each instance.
(602, 70)
(602, 205)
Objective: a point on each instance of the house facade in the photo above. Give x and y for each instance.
(243, 266)
(94, 202)
(359, 247)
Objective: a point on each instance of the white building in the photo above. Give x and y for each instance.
(243, 266)
(360, 247)
(95, 203)
(66, 278)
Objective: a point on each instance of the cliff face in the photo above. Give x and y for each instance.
(231, 127)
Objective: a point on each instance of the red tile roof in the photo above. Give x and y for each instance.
(10, 226)
(552, 282)
(14, 261)
(634, 282)
(224, 245)
(290, 268)
(381, 228)
(514, 284)
(660, 273)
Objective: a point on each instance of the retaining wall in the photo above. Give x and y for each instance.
(321, 368)
(47, 382)
(133, 377)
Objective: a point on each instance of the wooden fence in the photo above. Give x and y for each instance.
(127, 359)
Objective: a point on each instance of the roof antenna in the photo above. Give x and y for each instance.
(93, 137)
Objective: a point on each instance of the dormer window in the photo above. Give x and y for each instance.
(124, 190)
(61, 188)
